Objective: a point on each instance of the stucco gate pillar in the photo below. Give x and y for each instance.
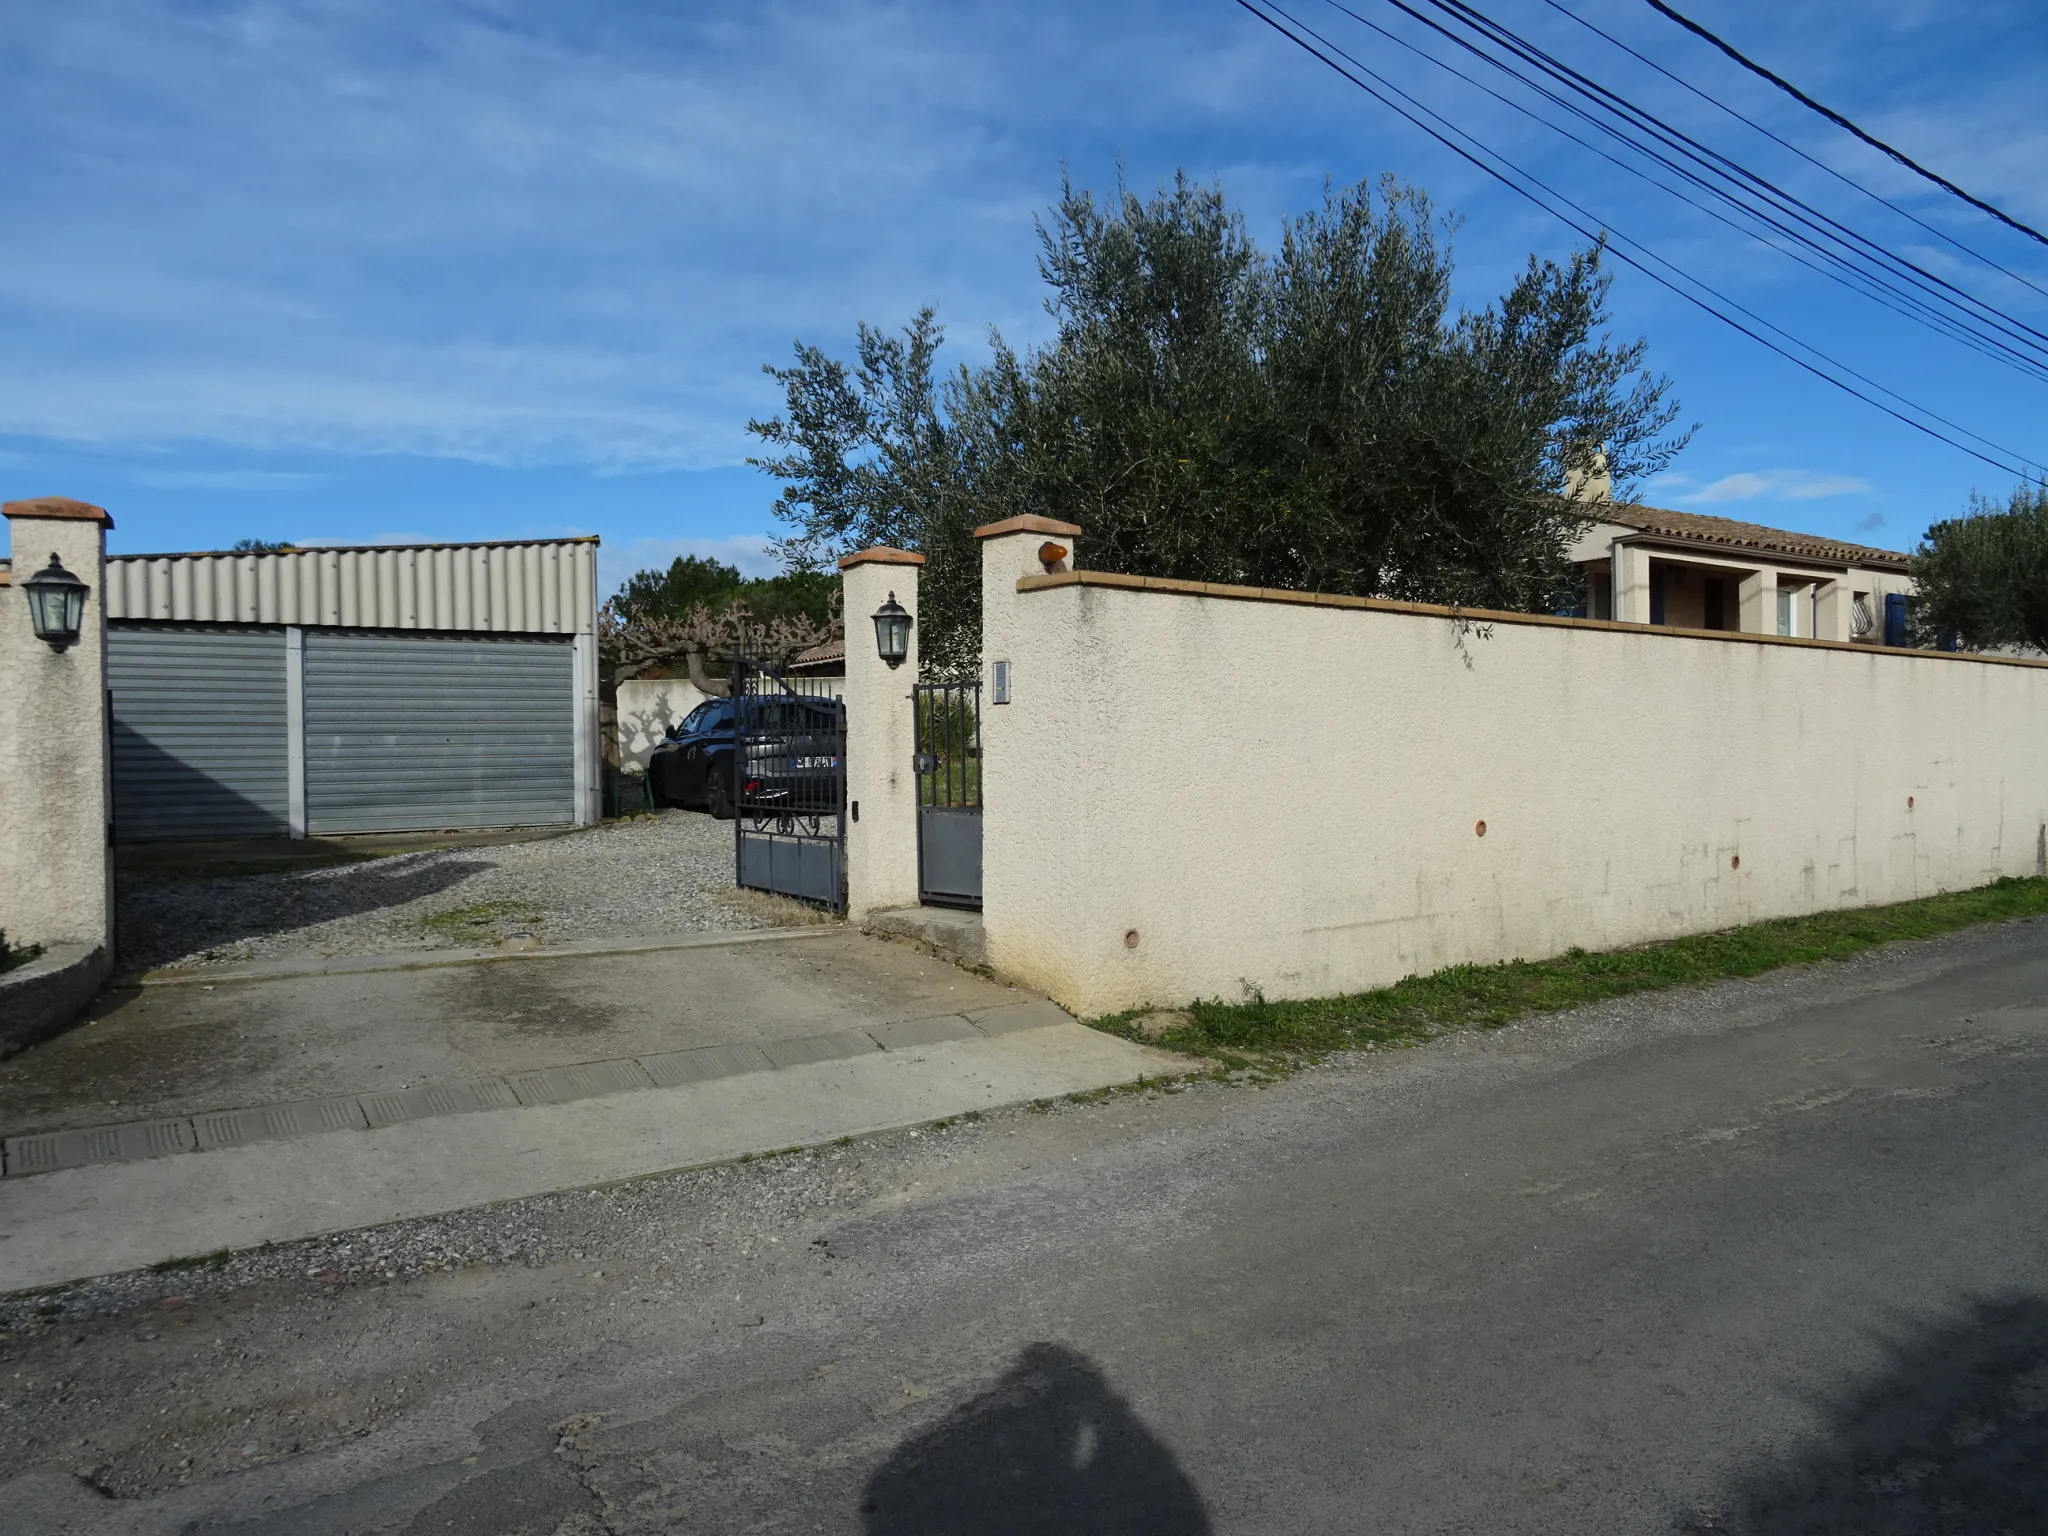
(881, 788)
(56, 868)
(1011, 550)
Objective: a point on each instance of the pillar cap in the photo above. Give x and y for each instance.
(57, 507)
(1030, 522)
(880, 554)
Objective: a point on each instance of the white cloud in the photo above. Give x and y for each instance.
(521, 236)
(261, 481)
(1769, 484)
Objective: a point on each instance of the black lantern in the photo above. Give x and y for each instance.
(56, 604)
(892, 631)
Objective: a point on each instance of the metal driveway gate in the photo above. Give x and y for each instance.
(789, 771)
(409, 731)
(200, 720)
(948, 762)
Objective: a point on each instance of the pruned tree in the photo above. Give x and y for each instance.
(1316, 418)
(1982, 578)
(704, 637)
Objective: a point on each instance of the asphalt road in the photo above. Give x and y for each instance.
(1770, 1257)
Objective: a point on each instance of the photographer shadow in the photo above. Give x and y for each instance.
(1050, 1448)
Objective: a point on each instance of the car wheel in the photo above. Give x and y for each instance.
(717, 799)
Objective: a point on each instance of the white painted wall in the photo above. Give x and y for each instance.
(56, 875)
(646, 709)
(1304, 822)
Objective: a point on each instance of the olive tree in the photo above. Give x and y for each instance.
(1983, 577)
(1317, 417)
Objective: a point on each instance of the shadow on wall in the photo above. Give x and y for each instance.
(1952, 1437)
(160, 922)
(1050, 1448)
(645, 711)
(160, 796)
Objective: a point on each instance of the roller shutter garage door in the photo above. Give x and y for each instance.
(200, 733)
(407, 733)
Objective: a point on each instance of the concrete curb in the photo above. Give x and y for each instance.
(216, 1130)
(46, 996)
(426, 960)
(113, 1218)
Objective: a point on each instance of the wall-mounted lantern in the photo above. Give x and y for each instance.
(56, 604)
(892, 631)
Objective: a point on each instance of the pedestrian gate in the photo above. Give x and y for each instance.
(789, 784)
(948, 766)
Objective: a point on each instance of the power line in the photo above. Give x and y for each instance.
(1385, 92)
(1899, 300)
(1843, 123)
(1818, 164)
(1685, 144)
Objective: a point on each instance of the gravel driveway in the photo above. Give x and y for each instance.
(642, 878)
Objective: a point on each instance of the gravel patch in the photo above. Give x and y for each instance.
(644, 878)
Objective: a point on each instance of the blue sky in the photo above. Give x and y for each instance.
(361, 270)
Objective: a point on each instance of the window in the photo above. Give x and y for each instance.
(1784, 610)
(1714, 603)
(1861, 620)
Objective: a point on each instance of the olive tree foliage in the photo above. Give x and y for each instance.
(1316, 417)
(1983, 577)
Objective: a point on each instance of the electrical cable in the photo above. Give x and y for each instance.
(1843, 123)
(1976, 309)
(1900, 302)
(1818, 164)
(1384, 91)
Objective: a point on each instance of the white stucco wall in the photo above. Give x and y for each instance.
(1304, 821)
(56, 876)
(646, 709)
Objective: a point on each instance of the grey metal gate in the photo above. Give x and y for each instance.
(411, 732)
(789, 772)
(200, 721)
(948, 763)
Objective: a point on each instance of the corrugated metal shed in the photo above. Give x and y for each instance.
(528, 586)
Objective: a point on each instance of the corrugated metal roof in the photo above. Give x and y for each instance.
(528, 586)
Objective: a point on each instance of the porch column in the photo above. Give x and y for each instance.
(1831, 612)
(1760, 602)
(56, 807)
(881, 789)
(1630, 573)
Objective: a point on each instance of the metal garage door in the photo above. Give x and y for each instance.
(199, 731)
(407, 733)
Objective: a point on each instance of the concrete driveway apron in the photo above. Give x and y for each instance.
(225, 1108)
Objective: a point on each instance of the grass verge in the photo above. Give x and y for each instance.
(481, 921)
(1488, 996)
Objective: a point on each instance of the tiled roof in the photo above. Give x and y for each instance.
(821, 655)
(1695, 527)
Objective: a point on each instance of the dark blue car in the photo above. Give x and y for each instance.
(793, 764)
(693, 766)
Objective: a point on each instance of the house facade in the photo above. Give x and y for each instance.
(1648, 565)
